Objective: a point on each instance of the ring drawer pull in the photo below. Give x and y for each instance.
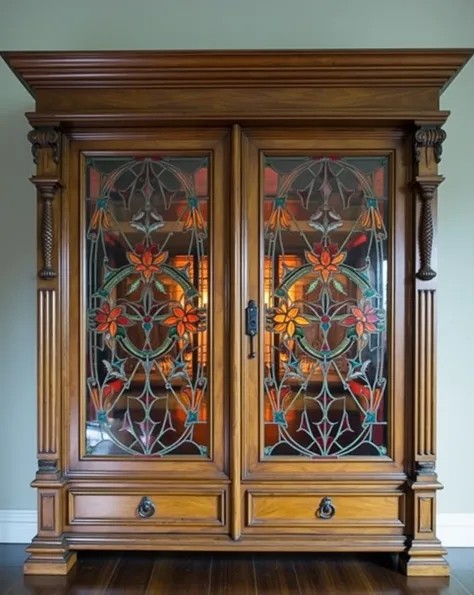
(326, 509)
(146, 508)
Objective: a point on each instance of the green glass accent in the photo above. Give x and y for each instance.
(370, 417)
(191, 418)
(279, 418)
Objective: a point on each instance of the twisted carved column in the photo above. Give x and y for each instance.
(45, 149)
(47, 188)
(427, 190)
(427, 151)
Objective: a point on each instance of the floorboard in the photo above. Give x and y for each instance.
(233, 575)
(226, 574)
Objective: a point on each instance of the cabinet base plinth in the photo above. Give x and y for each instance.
(51, 558)
(420, 561)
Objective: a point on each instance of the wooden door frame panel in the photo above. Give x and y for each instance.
(320, 140)
(216, 144)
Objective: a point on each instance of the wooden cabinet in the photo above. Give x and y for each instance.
(237, 301)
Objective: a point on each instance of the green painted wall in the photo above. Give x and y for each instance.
(226, 24)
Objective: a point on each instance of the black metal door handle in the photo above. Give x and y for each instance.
(251, 325)
(146, 508)
(326, 509)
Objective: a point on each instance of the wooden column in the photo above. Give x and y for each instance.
(49, 553)
(425, 552)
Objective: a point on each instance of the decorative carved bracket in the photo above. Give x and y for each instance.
(427, 152)
(427, 189)
(44, 138)
(47, 188)
(429, 137)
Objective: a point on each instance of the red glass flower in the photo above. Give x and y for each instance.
(109, 319)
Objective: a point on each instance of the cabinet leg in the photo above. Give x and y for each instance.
(49, 557)
(425, 559)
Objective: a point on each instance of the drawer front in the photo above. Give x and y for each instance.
(168, 510)
(311, 509)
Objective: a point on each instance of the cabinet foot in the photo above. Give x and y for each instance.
(425, 560)
(49, 557)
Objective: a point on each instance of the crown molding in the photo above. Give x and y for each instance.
(237, 69)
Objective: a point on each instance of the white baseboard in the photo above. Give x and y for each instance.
(454, 530)
(17, 526)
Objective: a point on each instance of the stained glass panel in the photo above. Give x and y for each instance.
(147, 305)
(325, 291)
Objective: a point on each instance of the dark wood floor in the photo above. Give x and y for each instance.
(258, 574)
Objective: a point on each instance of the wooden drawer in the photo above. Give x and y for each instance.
(173, 509)
(362, 510)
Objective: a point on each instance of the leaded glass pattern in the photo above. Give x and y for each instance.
(325, 291)
(147, 268)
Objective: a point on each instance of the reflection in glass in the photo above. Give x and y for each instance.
(147, 303)
(325, 291)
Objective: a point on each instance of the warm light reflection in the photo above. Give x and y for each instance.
(295, 292)
(176, 293)
(203, 303)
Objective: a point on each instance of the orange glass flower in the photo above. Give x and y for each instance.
(286, 319)
(147, 260)
(363, 319)
(194, 218)
(326, 259)
(280, 218)
(371, 219)
(100, 219)
(185, 319)
(109, 319)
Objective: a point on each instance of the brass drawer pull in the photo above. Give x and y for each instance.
(326, 509)
(146, 508)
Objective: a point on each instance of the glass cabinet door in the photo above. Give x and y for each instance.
(320, 246)
(151, 381)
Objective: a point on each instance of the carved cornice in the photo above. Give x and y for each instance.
(429, 137)
(47, 188)
(44, 138)
(220, 69)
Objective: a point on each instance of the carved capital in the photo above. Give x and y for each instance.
(429, 137)
(47, 189)
(425, 468)
(47, 467)
(44, 138)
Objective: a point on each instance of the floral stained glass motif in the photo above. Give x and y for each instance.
(147, 306)
(325, 290)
